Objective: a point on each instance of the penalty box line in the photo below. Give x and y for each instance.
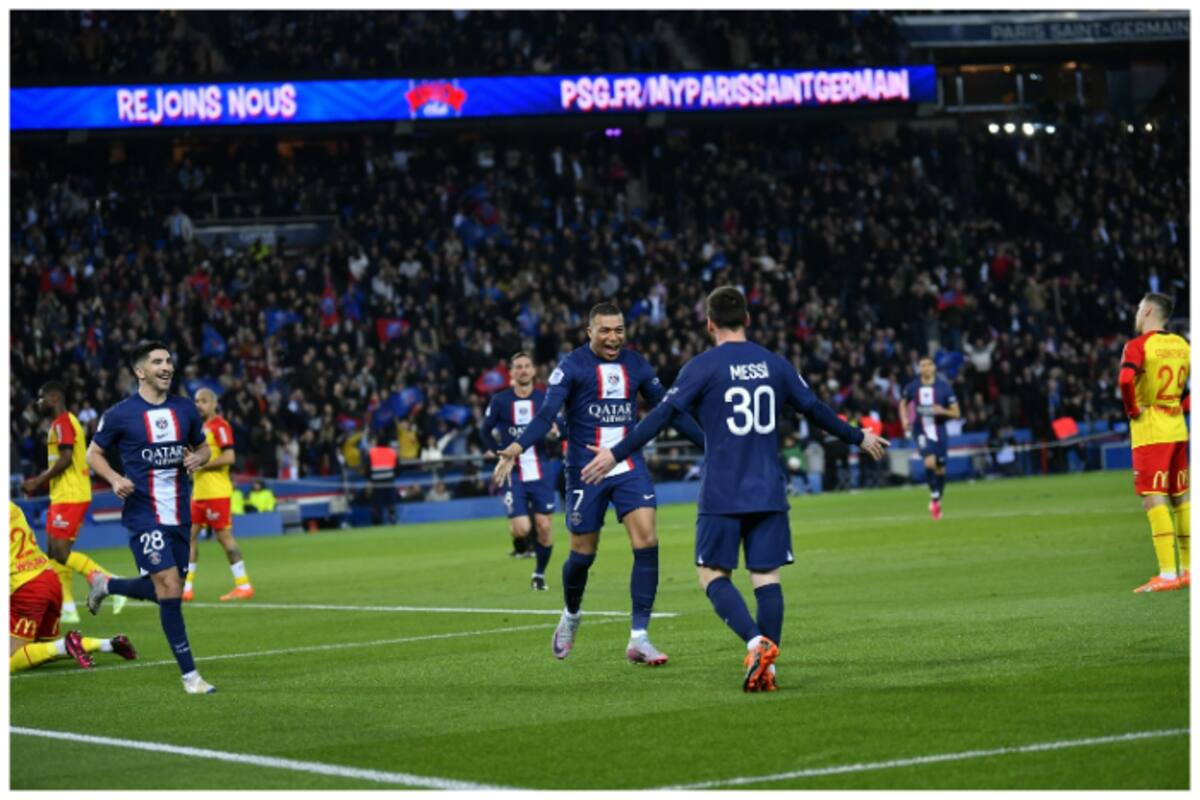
(942, 758)
(269, 762)
(285, 651)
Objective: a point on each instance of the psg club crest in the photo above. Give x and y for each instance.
(161, 423)
(435, 100)
(155, 557)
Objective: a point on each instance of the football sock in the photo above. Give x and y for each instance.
(240, 578)
(31, 655)
(137, 588)
(643, 585)
(731, 608)
(1162, 529)
(64, 577)
(940, 482)
(92, 645)
(83, 564)
(520, 544)
(770, 610)
(170, 613)
(574, 578)
(191, 576)
(543, 558)
(931, 478)
(1183, 534)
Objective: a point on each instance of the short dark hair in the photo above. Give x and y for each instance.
(143, 349)
(605, 309)
(52, 387)
(519, 354)
(726, 307)
(1164, 304)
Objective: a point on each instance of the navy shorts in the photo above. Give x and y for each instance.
(766, 537)
(160, 548)
(586, 504)
(528, 497)
(930, 447)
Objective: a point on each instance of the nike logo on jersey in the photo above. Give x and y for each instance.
(647, 497)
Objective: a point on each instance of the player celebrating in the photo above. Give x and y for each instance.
(70, 494)
(210, 499)
(532, 492)
(155, 433)
(933, 402)
(1153, 381)
(598, 384)
(735, 389)
(34, 606)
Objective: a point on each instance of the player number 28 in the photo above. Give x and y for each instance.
(751, 411)
(1171, 379)
(151, 541)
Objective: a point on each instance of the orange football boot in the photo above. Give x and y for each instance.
(239, 593)
(1160, 584)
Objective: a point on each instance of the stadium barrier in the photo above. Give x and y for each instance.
(303, 504)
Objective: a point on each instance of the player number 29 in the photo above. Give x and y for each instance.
(751, 411)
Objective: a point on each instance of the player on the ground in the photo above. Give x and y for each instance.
(210, 499)
(531, 491)
(70, 494)
(932, 403)
(596, 385)
(1154, 390)
(34, 606)
(161, 441)
(736, 390)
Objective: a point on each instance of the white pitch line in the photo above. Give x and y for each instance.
(540, 612)
(315, 767)
(921, 760)
(287, 651)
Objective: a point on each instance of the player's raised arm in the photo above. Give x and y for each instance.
(684, 422)
(806, 402)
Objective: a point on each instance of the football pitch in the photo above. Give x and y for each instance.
(999, 648)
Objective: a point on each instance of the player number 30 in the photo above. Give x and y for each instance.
(751, 411)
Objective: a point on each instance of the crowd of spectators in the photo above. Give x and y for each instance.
(109, 44)
(1019, 260)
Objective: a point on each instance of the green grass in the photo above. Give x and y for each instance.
(1009, 623)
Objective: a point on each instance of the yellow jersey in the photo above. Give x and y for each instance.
(25, 559)
(1160, 362)
(75, 484)
(214, 484)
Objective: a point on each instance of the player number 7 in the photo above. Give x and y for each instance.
(578, 498)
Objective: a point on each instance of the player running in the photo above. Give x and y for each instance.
(210, 500)
(735, 389)
(1154, 390)
(933, 402)
(160, 441)
(532, 490)
(70, 494)
(34, 606)
(597, 386)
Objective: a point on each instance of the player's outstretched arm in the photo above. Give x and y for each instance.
(99, 465)
(807, 403)
(536, 431)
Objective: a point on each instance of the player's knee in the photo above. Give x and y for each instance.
(519, 526)
(60, 550)
(1149, 501)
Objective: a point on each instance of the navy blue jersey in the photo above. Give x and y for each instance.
(151, 440)
(926, 396)
(599, 400)
(738, 390)
(509, 415)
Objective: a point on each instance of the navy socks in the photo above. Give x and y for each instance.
(643, 585)
(574, 578)
(137, 588)
(770, 610)
(731, 608)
